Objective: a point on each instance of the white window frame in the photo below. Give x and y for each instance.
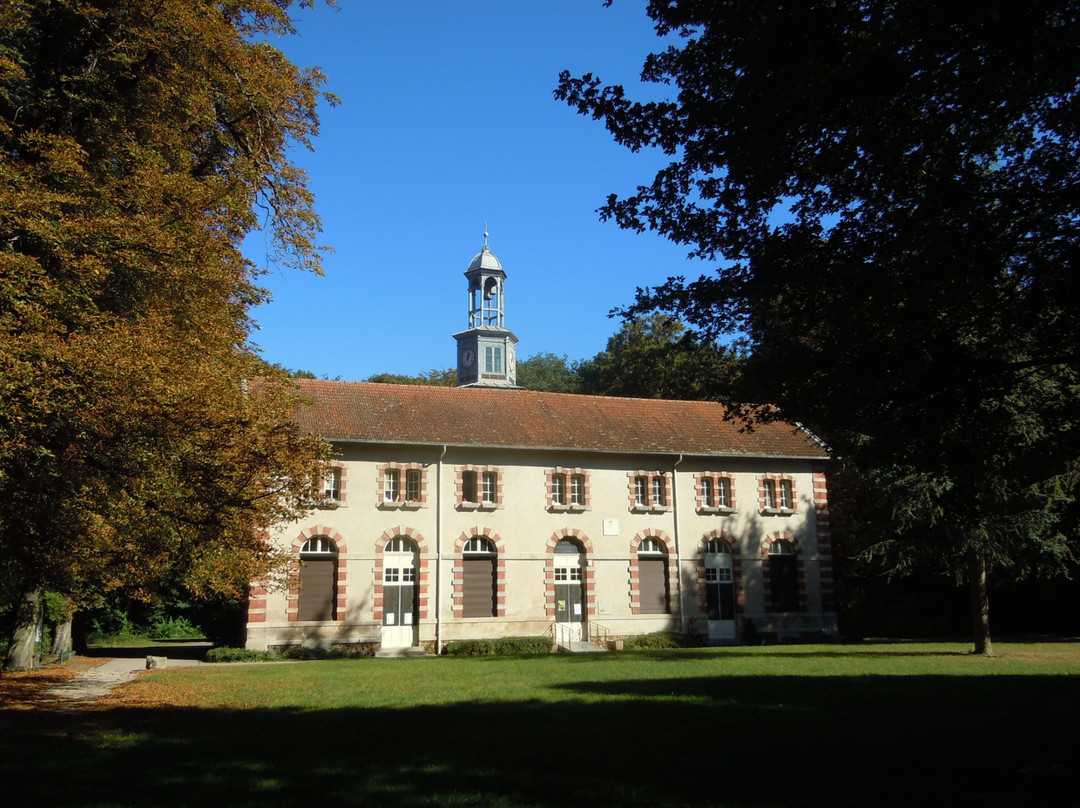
(558, 488)
(391, 485)
(414, 485)
(577, 489)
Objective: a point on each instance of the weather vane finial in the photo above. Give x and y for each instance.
(485, 234)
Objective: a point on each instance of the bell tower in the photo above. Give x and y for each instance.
(486, 349)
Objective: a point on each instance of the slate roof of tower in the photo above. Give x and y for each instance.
(524, 419)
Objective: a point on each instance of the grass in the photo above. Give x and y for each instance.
(890, 725)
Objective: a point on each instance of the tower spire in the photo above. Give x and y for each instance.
(487, 348)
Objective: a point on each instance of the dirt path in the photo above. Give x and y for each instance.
(87, 679)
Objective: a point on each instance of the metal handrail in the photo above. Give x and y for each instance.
(598, 634)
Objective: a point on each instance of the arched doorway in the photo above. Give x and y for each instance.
(317, 580)
(569, 591)
(783, 577)
(720, 590)
(479, 568)
(400, 602)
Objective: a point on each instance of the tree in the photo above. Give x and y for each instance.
(140, 144)
(433, 378)
(890, 192)
(548, 373)
(654, 356)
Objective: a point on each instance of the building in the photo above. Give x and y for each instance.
(488, 510)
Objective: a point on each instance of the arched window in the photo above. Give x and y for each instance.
(478, 563)
(653, 577)
(783, 577)
(318, 580)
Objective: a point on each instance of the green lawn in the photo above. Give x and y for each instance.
(869, 725)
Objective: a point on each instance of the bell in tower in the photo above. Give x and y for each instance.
(486, 349)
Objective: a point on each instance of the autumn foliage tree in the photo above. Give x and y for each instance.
(139, 144)
(891, 195)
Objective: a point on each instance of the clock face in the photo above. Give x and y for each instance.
(468, 357)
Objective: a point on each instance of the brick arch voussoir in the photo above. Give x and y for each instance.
(402, 530)
(652, 533)
(785, 535)
(484, 532)
(570, 533)
(320, 530)
(703, 542)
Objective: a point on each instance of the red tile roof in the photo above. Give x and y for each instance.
(489, 417)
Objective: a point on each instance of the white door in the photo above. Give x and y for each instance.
(399, 599)
(720, 596)
(569, 593)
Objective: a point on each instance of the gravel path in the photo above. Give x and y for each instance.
(94, 683)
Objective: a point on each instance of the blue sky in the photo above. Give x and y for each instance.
(448, 123)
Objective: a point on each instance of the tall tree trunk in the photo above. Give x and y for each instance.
(980, 605)
(61, 643)
(20, 655)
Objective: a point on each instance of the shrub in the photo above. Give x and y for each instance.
(658, 640)
(302, 653)
(504, 646)
(175, 628)
(240, 655)
(523, 645)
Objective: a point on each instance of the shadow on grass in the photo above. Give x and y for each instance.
(740, 741)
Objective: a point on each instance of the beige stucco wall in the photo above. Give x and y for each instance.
(524, 529)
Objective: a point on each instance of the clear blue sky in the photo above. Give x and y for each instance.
(448, 123)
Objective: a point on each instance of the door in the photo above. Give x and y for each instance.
(399, 596)
(569, 593)
(720, 595)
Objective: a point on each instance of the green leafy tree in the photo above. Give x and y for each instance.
(654, 356)
(548, 373)
(433, 378)
(139, 144)
(890, 193)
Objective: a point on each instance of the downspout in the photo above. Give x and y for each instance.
(675, 532)
(438, 552)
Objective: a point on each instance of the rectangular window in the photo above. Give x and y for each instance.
(412, 485)
(769, 493)
(658, 492)
(493, 359)
(708, 498)
(723, 492)
(641, 491)
(391, 485)
(468, 486)
(490, 481)
(577, 489)
(332, 484)
(558, 489)
(786, 498)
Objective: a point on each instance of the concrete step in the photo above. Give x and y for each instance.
(401, 653)
(583, 647)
